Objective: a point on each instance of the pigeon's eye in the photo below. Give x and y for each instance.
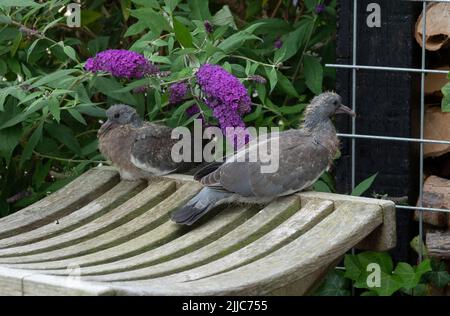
(336, 103)
(117, 115)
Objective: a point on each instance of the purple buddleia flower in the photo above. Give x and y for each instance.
(225, 95)
(278, 43)
(191, 111)
(121, 63)
(208, 27)
(319, 8)
(177, 92)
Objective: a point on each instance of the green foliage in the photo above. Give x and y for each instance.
(335, 284)
(404, 279)
(364, 185)
(50, 106)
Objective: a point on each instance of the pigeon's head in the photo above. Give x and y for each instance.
(120, 114)
(324, 106)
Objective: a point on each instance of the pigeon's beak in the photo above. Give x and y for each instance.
(105, 128)
(345, 110)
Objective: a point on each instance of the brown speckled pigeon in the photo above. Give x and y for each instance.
(304, 154)
(136, 148)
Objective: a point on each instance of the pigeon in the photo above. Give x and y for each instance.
(304, 154)
(136, 148)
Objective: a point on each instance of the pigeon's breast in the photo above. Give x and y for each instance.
(115, 145)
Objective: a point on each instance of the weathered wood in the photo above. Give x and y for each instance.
(436, 127)
(90, 211)
(166, 233)
(438, 244)
(125, 212)
(436, 194)
(322, 244)
(122, 242)
(299, 223)
(382, 238)
(255, 227)
(66, 200)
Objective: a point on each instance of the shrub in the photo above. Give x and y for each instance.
(51, 104)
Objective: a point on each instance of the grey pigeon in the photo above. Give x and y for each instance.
(136, 148)
(304, 154)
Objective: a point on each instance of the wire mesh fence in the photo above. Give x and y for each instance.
(355, 67)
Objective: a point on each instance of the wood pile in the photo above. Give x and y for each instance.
(436, 188)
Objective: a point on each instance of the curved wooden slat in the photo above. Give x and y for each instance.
(42, 251)
(66, 200)
(121, 241)
(162, 235)
(329, 239)
(255, 227)
(109, 200)
(297, 224)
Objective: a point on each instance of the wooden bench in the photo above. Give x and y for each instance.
(102, 236)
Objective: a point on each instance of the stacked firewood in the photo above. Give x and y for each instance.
(437, 126)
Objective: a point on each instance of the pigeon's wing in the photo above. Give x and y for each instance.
(301, 162)
(151, 150)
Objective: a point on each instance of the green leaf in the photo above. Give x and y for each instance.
(65, 136)
(236, 40)
(53, 107)
(320, 186)
(353, 268)
(136, 28)
(334, 284)
(364, 186)
(286, 85)
(439, 276)
(182, 33)
(3, 95)
(273, 78)
(293, 41)
(3, 69)
(171, 4)
(31, 48)
(110, 87)
(31, 144)
(90, 16)
(10, 138)
(76, 115)
(224, 17)
(446, 100)
(40, 173)
(15, 44)
(70, 52)
(410, 277)
(199, 9)
(292, 109)
(419, 246)
(52, 77)
(313, 73)
(4, 19)
(147, 3)
(21, 3)
(152, 19)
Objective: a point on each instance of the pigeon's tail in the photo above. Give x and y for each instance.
(199, 205)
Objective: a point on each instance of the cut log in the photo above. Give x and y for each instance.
(438, 244)
(436, 194)
(437, 26)
(436, 127)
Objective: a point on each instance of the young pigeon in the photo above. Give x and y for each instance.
(136, 148)
(304, 154)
